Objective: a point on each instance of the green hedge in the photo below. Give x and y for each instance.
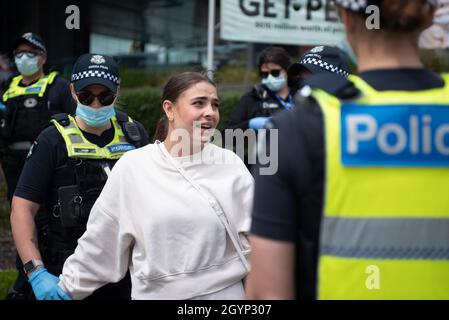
(136, 78)
(7, 279)
(144, 105)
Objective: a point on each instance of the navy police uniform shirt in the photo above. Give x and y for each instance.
(259, 102)
(49, 152)
(288, 205)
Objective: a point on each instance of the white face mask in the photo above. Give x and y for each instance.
(27, 66)
(275, 84)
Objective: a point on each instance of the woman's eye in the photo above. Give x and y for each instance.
(198, 103)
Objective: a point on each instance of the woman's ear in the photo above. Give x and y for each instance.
(347, 20)
(433, 10)
(169, 109)
(352, 27)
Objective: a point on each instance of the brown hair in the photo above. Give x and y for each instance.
(406, 15)
(276, 55)
(403, 15)
(175, 86)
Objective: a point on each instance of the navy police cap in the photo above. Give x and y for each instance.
(321, 59)
(32, 39)
(92, 68)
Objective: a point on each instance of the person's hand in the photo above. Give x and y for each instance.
(258, 122)
(45, 286)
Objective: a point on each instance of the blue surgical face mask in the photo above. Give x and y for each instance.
(275, 84)
(27, 66)
(95, 117)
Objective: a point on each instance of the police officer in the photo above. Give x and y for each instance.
(357, 209)
(26, 103)
(268, 97)
(66, 170)
(320, 59)
(257, 106)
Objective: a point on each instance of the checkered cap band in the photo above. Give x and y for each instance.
(361, 5)
(34, 42)
(353, 5)
(96, 74)
(325, 65)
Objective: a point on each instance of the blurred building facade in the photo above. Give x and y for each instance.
(143, 34)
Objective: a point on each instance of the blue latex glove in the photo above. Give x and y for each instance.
(258, 122)
(45, 286)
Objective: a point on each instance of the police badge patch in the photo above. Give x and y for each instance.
(317, 49)
(98, 59)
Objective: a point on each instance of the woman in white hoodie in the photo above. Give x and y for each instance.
(175, 212)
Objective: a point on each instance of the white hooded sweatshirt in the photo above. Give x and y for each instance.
(151, 220)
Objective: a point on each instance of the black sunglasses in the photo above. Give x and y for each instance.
(106, 98)
(275, 73)
(29, 54)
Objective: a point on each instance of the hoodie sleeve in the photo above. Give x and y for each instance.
(243, 197)
(103, 252)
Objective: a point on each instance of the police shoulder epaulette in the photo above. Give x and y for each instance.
(333, 84)
(52, 77)
(61, 118)
(121, 116)
(129, 128)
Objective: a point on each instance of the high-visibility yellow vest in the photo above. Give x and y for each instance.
(26, 110)
(385, 227)
(37, 88)
(79, 147)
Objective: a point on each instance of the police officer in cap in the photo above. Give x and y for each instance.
(26, 103)
(320, 59)
(358, 208)
(66, 170)
(265, 99)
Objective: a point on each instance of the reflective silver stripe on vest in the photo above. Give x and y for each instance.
(75, 138)
(376, 238)
(70, 126)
